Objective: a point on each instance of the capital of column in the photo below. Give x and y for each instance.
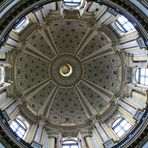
(87, 133)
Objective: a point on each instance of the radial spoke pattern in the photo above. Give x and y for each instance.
(67, 35)
(67, 72)
(45, 104)
(41, 96)
(105, 50)
(85, 102)
(88, 36)
(35, 50)
(49, 40)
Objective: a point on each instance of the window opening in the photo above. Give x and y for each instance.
(72, 2)
(70, 144)
(21, 24)
(142, 76)
(18, 127)
(121, 126)
(2, 75)
(123, 24)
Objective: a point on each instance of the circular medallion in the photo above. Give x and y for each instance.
(66, 70)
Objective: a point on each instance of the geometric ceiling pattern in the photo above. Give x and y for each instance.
(67, 71)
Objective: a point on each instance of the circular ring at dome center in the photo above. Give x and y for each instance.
(66, 70)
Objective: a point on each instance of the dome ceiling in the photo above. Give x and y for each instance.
(67, 71)
(74, 72)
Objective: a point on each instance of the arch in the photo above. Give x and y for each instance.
(120, 126)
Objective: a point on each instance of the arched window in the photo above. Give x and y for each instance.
(123, 24)
(70, 144)
(142, 76)
(19, 127)
(21, 24)
(121, 126)
(72, 2)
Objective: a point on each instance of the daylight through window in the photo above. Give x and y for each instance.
(142, 76)
(18, 127)
(70, 144)
(123, 24)
(120, 126)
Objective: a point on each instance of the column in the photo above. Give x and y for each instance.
(143, 57)
(138, 99)
(127, 115)
(104, 19)
(110, 20)
(3, 98)
(2, 57)
(4, 85)
(109, 131)
(53, 139)
(59, 141)
(135, 103)
(32, 17)
(6, 48)
(125, 103)
(31, 132)
(13, 115)
(89, 142)
(39, 131)
(43, 136)
(5, 64)
(141, 64)
(100, 12)
(97, 139)
(5, 102)
(139, 95)
(39, 16)
(130, 44)
(79, 144)
(12, 107)
(45, 139)
(51, 142)
(137, 87)
(13, 43)
(14, 35)
(81, 141)
(101, 132)
(129, 36)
